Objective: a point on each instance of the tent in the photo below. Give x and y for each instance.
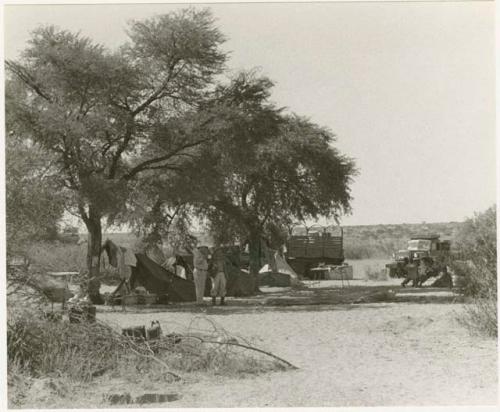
(279, 273)
(161, 281)
(239, 281)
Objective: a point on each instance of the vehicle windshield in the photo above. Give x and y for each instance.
(419, 244)
(401, 254)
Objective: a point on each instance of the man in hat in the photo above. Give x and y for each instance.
(200, 261)
(218, 277)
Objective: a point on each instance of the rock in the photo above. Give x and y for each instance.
(156, 398)
(126, 398)
(119, 398)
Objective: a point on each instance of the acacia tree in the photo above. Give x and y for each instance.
(109, 116)
(33, 203)
(268, 167)
(157, 209)
(162, 198)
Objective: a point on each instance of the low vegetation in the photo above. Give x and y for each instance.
(45, 347)
(381, 241)
(476, 243)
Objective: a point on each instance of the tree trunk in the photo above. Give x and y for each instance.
(94, 229)
(254, 247)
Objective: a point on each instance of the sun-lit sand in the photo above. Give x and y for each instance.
(373, 354)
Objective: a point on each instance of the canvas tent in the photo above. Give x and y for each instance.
(161, 281)
(141, 270)
(278, 273)
(154, 272)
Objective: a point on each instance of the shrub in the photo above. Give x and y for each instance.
(77, 353)
(58, 257)
(43, 347)
(476, 249)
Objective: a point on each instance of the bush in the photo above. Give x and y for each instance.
(477, 268)
(58, 257)
(39, 348)
(45, 348)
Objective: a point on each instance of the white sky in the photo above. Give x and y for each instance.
(408, 88)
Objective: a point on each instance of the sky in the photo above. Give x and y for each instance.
(407, 88)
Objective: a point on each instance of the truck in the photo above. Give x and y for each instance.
(420, 246)
(311, 249)
(397, 268)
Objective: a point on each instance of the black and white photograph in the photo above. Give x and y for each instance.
(249, 205)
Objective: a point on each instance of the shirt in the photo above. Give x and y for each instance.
(199, 260)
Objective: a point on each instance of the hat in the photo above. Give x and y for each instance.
(201, 245)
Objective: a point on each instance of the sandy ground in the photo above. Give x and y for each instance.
(361, 266)
(380, 354)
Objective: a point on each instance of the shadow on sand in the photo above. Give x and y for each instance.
(310, 300)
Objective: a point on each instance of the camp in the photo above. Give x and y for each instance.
(161, 281)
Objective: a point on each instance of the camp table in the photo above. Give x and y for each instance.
(323, 272)
(320, 273)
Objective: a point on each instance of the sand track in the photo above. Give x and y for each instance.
(375, 354)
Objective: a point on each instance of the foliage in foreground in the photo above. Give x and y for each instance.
(80, 353)
(477, 246)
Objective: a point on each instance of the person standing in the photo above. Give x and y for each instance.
(411, 273)
(218, 277)
(200, 260)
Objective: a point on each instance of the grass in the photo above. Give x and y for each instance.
(480, 317)
(74, 354)
(380, 241)
(479, 284)
(58, 257)
(477, 245)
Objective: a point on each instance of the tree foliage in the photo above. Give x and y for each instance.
(33, 204)
(476, 242)
(108, 116)
(145, 135)
(267, 167)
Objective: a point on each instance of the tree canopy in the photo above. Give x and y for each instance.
(266, 167)
(108, 116)
(147, 134)
(34, 205)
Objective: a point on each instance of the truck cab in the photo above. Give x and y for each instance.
(430, 246)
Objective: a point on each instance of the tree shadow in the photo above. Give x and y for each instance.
(310, 300)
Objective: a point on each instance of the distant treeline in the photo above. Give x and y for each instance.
(360, 242)
(380, 241)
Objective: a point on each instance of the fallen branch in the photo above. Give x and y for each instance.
(156, 359)
(245, 347)
(132, 346)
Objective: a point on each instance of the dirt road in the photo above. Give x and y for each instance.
(349, 355)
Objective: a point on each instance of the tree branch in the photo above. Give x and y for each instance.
(149, 164)
(121, 148)
(27, 78)
(157, 93)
